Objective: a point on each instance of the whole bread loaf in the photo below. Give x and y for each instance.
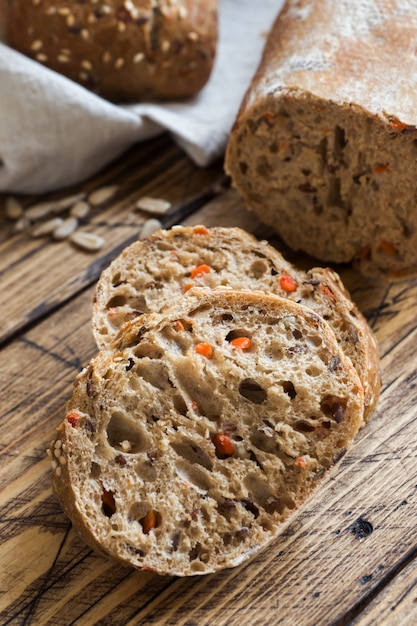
(150, 275)
(324, 146)
(185, 451)
(120, 49)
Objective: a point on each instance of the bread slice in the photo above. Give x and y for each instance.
(186, 450)
(324, 146)
(152, 274)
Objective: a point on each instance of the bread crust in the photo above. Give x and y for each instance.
(186, 464)
(121, 49)
(324, 144)
(149, 275)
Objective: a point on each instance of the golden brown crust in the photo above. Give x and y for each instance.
(121, 49)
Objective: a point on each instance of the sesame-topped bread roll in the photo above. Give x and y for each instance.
(186, 450)
(324, 146)
(150, 275)
(121, 49)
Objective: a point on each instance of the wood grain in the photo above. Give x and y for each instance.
(348, 557)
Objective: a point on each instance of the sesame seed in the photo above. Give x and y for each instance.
(119, 63)
(85, 34)
(106, 58)
(138, 57)
(37, 45)
(121, 27)
(58, 471)
(62, 58)
(54, 464)
(42, 58)
(165, 46)
(36, 3)
(57, 452)
(83, 76)
(62, 460)
(64, 11)
(192, 36)
(70, 20)
(50, 11)
(86, 65)
(58, 443)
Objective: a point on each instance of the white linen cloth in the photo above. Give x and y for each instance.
(54, 133)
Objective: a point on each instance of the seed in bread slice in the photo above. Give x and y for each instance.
(150, 275)
(186, 450)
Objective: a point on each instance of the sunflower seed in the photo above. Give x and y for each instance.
(102, 195)
(14, 209)
(153, 205)
(38, 211)
(65, 203)
(80, 209)
(65, 229)
(87, 241)
(46, 228)
(149, 227)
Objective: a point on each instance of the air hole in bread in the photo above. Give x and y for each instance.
(243, 167)
(250, 506)
(236, 536)
(227, 508)
(263, 439)
(108, 503)
(237, 333)
(258, 269)
(223, 317)
(193, 453)
(289, 389)
(125, 435)
(191, 473)
(146, 471)
(148, 350)
(302, 426)
(116, 301)
(156, 374)
(252, 391)
(151, 520)
(314, 371)
(199, 552)
(180, 405)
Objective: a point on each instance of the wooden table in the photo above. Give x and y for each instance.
(349, 557)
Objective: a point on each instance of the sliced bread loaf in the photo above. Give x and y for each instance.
(185, 451)
(324, 146)
(153, 274)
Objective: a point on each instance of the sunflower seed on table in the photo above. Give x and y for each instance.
(157, 206)
(47, 228)
(14, 209)
(102, 195)
(65, 229)
(149, 227)
(21, 224)
(68, 201)
(39, 211)
(80, 209)
(87, 241)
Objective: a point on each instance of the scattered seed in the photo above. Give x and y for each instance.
(149, 227)
(80, 209)
(102, 195)
(138, 57)
(39, 211)
(14, 209)
(153, 205)
(65, 203)
(87, 241)
(48, 227)
(21, 224)
(65, 229)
